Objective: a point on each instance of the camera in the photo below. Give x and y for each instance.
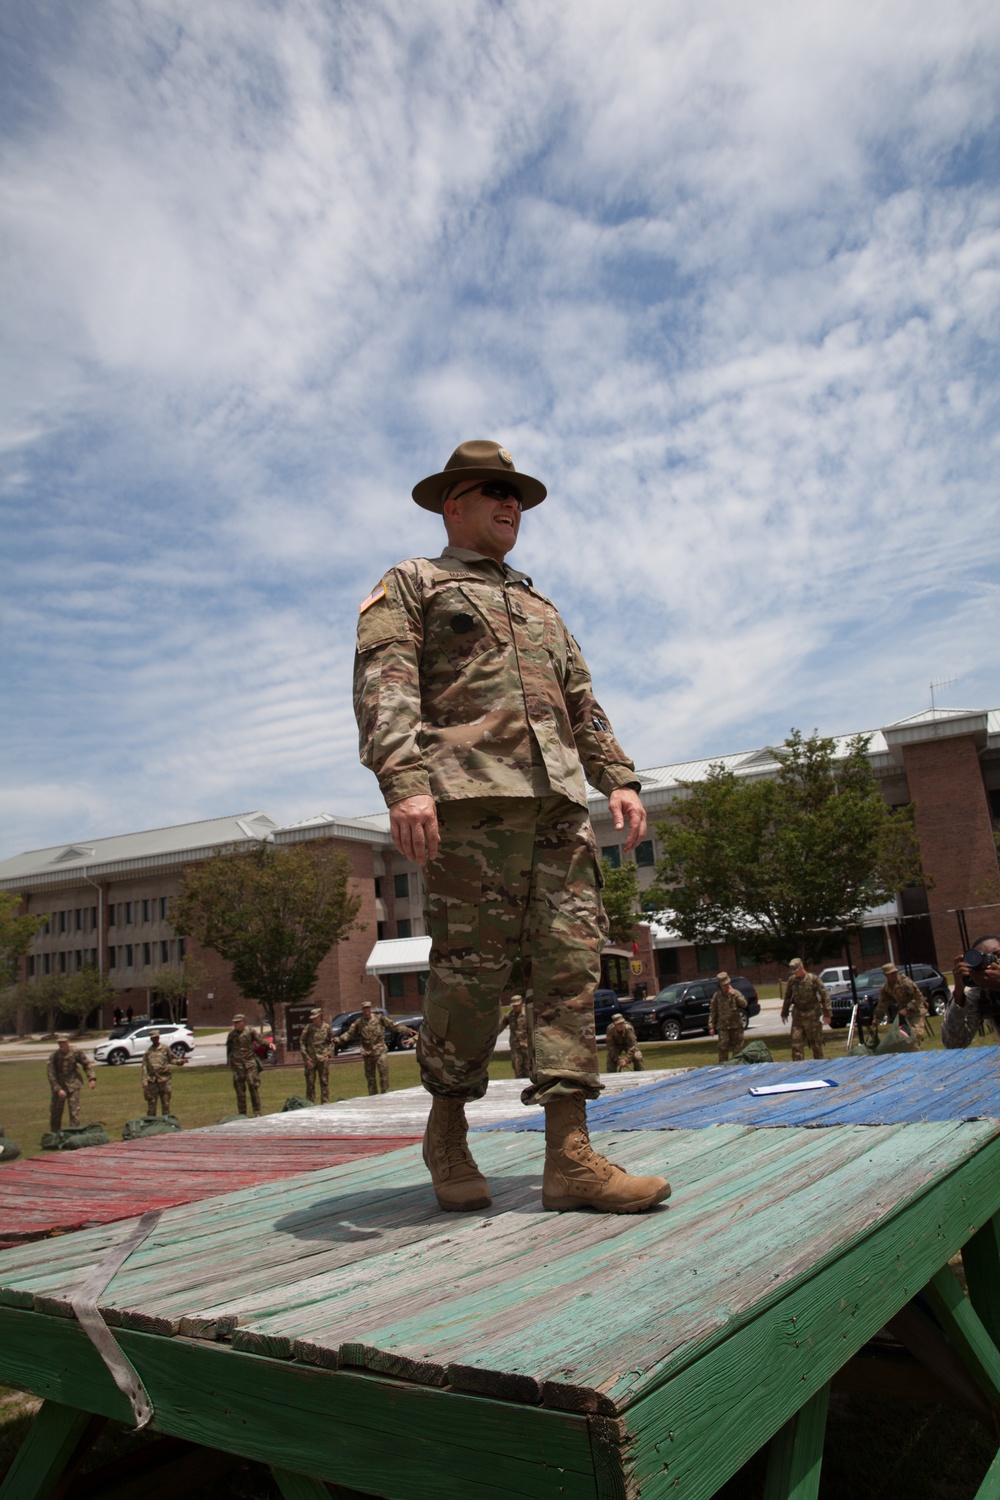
(976, 959)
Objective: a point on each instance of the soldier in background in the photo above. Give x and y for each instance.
(726, 1015)
(242, 1059)
(517, 1024)
(477, 715)
(903, 998)
(808, 1001)
(64, 1070)
(370, 1031)
(623, 1048)
(158, 1074)
(316, 1046)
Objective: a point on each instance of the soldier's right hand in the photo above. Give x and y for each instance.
(414, 827)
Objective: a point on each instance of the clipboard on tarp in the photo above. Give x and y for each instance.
(804, 1087)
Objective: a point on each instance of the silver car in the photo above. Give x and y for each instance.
(179, 1038)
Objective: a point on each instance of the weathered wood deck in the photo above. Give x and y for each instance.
(518, 1353)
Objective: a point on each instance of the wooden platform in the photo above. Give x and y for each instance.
(517, 1353)
(68, 1190)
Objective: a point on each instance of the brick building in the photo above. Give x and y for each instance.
(108, 899)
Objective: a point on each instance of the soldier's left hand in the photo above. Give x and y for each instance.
(93, 1083)
(625, 803)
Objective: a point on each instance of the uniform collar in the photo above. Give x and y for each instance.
(463, 554)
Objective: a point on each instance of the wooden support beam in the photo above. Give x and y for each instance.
(299, 1486)
(981, 1259)
(965, 1332)
(990, 1487)
(51, 1442)
(796, 1453)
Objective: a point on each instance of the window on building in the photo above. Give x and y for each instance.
(613, 854)
(78, 915)
(401, 886)
(47, 929)
(62, 963)
(128, 913)
(422, 979)
(111, 914)
(404, 927)
(164, 952)
(872, 942)
(112, 957)
(395, 986)
(31, 966)
(380, 930)
(644, 853)
(994, 797)
(147, 910)
(746, 960)
(128, 955)
(164, 902)
(62, 921)
(668, 962)
(147, 953)
(180, 948)
(46, 963)
(78, 957)
(707, 958)
(92, 960)
(93, 919)
(378, 887)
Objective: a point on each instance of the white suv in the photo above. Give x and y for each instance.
(836, 980)
(180, 1040)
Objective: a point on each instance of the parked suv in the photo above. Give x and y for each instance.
(932, 983)
(684, 1007)
(130, 1048)
(837, 980)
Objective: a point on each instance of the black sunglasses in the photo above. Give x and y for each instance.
(493, 489)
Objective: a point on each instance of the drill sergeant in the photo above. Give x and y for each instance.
(370, 1031)
(477, 715)
(316, 1046)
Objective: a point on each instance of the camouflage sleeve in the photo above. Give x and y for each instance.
(348, 1034)
(823, 995)
(604, 761)
(713, 1009)
(51, 1072)
(391, 1025)
(84, 1062)
(882, 1007)
(387, 686)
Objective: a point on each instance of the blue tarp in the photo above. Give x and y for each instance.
(899, 1089)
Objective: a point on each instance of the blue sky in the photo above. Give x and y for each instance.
(724, 274)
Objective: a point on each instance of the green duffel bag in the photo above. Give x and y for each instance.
(295, 1101)
(9, 1150)
(754, 1051)
(132, 1130)
(894, 1039)
(76, 1137)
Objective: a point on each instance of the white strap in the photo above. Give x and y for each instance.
(84, 1305)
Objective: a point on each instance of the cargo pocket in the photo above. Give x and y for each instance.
(463, 936)
(436, 1018)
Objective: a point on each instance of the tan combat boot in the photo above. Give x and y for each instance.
(576, 1176)
(458, 1183)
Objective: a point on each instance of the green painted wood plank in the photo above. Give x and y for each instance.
(990, 1487)
(691, 1432)
(299, 1486)
(330, 1425)
(51, 1441)
(981, 1262)
(965, 1332)
(796, 1453)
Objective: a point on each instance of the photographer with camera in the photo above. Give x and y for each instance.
(976, 996)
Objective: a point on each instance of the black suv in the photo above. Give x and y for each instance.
(684, 1007)
(929, 980)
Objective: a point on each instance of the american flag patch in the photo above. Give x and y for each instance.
(373, 598)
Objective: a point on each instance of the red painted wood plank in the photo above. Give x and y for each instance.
(54, 1194)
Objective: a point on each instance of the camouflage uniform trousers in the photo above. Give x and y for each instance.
(376, 1070)
(730, 1039)
(313, 1067)
(153, 1090)
(805, 1029)
(519, 1060)
(247, 1078)
(72, 1099)
(629, 1058)
(513, 876)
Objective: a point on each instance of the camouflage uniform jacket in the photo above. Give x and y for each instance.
(371, 1034)
(316, 1041)
(468, 684)
(904, 995)
(63, 1068)
(726, 1010)
(157, 1065)
(517, 1020)
(620, 1038)
(239, 1049)
(807, 996)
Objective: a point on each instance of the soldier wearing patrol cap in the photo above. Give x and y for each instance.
(370, 1031)
(899, 996)
(624, 1051)
(477, 715)
(158, 1075)
(242, 1059)
(807, 1000)
(726, 1016)
(316, 1046)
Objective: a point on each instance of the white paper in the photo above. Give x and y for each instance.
(795, 1088)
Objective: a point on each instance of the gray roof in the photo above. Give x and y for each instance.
(131, 851)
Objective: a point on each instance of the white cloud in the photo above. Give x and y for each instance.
(726, 276)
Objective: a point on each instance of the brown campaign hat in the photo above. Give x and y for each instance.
(479, 459)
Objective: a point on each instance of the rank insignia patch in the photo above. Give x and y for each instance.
(373, 598)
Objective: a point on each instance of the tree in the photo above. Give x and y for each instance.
(620, 897)
(273, 912)
(85, 992)
(171, 985)
(17, 933)
(779, 865)
(50, 995)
